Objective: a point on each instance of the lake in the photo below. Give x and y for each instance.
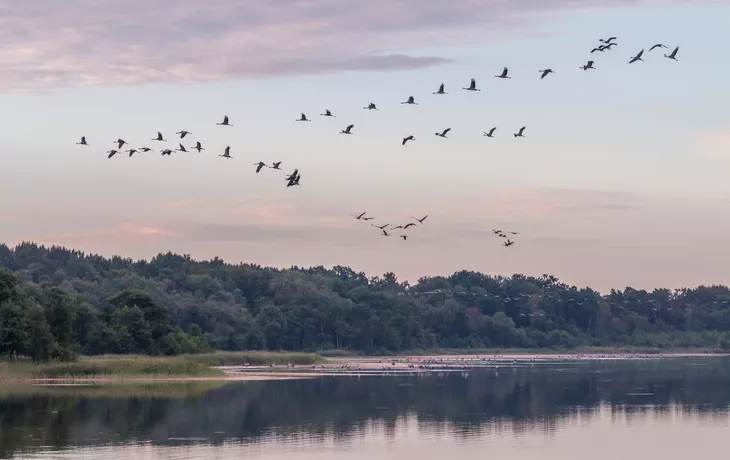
(652, 408)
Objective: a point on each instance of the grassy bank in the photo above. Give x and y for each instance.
(202, 365)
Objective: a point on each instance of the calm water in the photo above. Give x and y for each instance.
(668, 409)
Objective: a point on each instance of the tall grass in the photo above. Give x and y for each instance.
(202, 365)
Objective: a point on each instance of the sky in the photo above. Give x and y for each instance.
(620, 181)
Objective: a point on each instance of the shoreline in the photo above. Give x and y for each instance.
(359, 366)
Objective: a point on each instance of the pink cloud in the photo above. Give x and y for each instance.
(52, 43)
(721, 138)
(124, 232)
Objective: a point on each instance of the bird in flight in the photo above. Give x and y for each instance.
(181, 148)
(83, 141)
(183, 133)
(503, 74)
(381, 227)
(371, 106)
(601, 48)
(444, 132)
(225, 121)
(226, 153)
(441, 90)
(294, 181)
(609, 45)
(302, 118)
(167, 152)
(259, 165)
(637, 57)
(472, 86)
(159, 137)
(673, 54)
(362, 216)
(658, 45)
(112, 153)
(512, 233)
(520, 133)
(120, 142)
(546, 72)
(131, 152)
(404, 227)
(198, 147)
(607, 41)
(385, 233)
(405, 237)
(347, 130)
(406, 139)
(327, 113)
(145, 149)
(490, 133)
(410, 100)
(275, 165)
(292, 175)
(588, 65)
(508, 243)
(420, 221)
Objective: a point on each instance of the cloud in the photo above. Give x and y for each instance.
(52, 43)
(123, 233)
(718, 138)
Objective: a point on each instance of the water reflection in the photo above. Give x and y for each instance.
(540, 400)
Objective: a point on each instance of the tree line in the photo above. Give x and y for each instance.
(57, 302)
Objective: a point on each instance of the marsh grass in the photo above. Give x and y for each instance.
(202, 365)
(114, 389)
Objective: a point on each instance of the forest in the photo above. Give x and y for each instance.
(57, 303)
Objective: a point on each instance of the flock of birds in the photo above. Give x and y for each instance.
(293, 178)
(384, 228)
